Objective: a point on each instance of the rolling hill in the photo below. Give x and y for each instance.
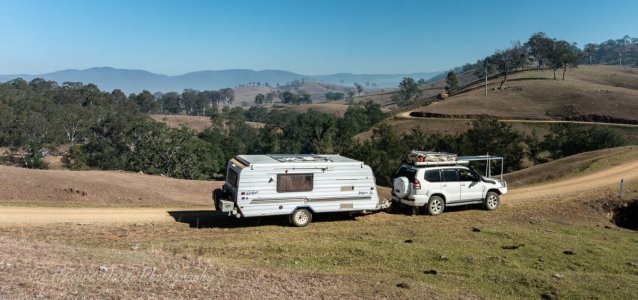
(596, 93)
(134, 81)
(589, 93)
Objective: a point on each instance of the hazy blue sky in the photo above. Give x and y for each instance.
(312, 37)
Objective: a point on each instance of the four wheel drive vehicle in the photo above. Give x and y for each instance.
(434, 184)
(296, 185)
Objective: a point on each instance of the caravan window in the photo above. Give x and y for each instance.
(231, 177)
(294, 183)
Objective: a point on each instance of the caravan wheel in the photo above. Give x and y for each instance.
(300, 217)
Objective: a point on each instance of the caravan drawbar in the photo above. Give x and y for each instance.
(297, 185)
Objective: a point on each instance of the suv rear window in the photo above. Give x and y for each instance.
(406, 172)
(450, 175)
(432, 176)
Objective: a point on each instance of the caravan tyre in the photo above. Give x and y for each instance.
(300, 217)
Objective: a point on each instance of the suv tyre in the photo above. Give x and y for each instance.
(492, 200)
(435, 205)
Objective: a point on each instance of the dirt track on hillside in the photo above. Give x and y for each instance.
(406, 115)
(607, 178)
(45, 215)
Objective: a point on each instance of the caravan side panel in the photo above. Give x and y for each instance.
(345, 187)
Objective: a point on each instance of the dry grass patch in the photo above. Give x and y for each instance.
(99, 188)
(197, 123)
(596, 90)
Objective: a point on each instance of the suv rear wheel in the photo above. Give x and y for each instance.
(435, 205)
(492, 200)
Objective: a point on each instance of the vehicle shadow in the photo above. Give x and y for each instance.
(407, 210)
(215, 219)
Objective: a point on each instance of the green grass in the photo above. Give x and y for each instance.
(373, 249)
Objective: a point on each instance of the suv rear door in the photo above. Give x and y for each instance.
(450, 184)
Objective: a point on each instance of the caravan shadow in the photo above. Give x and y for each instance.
(215, 219)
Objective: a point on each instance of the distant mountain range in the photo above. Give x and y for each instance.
(134, 81)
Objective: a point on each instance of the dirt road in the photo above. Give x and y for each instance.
(406, 115)
(606, 178)
(46, 215)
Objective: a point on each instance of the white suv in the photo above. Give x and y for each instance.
(434, 188)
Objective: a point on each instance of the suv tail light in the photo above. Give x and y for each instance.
(416, 184)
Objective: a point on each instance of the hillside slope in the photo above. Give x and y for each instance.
(595, 93)
(579, 164)
(99, 188)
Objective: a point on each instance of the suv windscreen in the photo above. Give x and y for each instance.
(406, 172)
(432, 176)
(450, 175)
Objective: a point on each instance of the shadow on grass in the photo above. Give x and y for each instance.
(214, 219)
(408, 210)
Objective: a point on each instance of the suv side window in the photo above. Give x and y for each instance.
(432, 176)
(406, 172)
(450, 175)
(467, 175)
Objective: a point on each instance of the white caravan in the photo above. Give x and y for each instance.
(297, 185)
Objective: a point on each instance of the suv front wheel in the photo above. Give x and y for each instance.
(492, 200)
(435, 205)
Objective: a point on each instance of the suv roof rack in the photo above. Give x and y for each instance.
(434, 159)
(428, 158)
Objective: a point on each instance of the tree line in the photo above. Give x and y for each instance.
(112, 131)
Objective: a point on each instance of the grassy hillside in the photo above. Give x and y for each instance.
(541, 244)
(606, 91)
(570, 166)
(99, 188)
(197, 123)
(456, 126)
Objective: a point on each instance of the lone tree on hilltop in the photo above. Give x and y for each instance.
(260, 99)
(359, 88)
(451, 81)
(408, 91)
(540, 47)
(590, 50)
(563, 55)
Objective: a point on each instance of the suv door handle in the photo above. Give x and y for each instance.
(462, 184)
(444, 185)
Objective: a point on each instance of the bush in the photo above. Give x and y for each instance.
(76, 158)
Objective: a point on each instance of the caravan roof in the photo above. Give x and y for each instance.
(276, 159)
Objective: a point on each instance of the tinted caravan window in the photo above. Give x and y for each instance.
(294, 183)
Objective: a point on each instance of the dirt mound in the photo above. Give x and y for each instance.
(627, 215)
(100, 188)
